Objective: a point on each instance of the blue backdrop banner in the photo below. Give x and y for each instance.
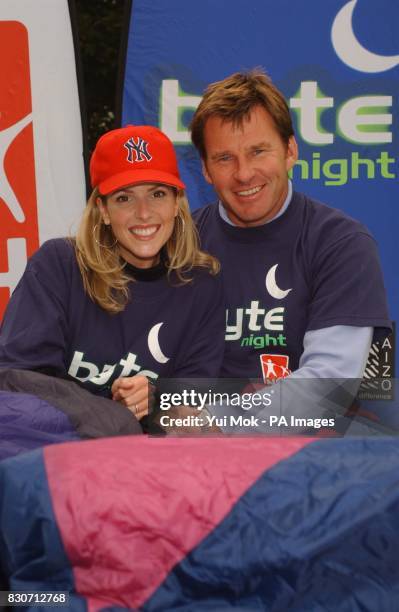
(337, 63)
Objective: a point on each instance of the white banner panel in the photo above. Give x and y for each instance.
(42, 180)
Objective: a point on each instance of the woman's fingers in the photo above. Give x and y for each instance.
(131, 396)
(122, 387)
(132, 392)
(138, 410)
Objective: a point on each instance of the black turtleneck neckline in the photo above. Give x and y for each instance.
(147, 274)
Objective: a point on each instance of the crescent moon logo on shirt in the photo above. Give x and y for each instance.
(351, 51)
(271, 285)
(153, 344)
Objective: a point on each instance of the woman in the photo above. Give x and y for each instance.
(130, 298)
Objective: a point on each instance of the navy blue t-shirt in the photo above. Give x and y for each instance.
(167, 329)
(312, 267)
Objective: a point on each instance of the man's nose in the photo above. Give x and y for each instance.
(244, 171)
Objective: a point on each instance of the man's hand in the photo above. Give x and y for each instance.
(134, 392)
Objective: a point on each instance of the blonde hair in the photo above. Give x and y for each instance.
(102, 268)
(234, 98)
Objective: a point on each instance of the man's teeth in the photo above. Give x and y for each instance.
(144, 231)
(249, 191)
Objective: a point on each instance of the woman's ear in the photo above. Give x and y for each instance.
(103, 210)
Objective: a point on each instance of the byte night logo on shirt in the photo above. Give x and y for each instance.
(260, 328)
(19, 235)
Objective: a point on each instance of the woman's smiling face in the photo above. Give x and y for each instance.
(142, 219)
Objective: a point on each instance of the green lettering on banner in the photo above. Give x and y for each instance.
(337, 171)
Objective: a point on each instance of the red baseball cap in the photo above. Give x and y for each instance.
(133, 154)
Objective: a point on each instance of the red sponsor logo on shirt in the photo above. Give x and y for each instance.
(19, 235)
(274, 367)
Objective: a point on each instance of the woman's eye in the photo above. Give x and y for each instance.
(159, 193)
(122, 198)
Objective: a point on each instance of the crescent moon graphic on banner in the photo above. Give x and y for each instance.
(349, 49)
(153, 344)
(271, 285)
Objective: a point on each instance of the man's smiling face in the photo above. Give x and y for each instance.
(248, 164)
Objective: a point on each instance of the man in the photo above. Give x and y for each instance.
(304, 289)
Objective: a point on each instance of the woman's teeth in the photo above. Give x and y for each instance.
(143, 231)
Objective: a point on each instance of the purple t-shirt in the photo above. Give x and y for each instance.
(166, 329)
(312, 267)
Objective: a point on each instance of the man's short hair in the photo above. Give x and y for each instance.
(233, 98)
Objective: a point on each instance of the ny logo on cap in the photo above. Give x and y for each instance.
(137, 152)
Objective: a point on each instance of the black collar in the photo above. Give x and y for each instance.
(147, 274)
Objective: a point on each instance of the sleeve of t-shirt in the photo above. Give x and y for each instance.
(34, 328)
(202, 353)
(335, 352)
(348, 287)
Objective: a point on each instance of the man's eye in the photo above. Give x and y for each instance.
(224, 158)
(258, 151)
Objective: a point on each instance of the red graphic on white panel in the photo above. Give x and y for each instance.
(19, 236)
(6, 191)
(17, 258)
(274, 367)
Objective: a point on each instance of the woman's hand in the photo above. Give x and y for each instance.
(134, 393)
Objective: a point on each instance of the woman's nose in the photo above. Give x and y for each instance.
(142, 209)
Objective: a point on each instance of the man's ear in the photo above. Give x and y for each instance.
(206, 173)
(103, 211)
(292, 153)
